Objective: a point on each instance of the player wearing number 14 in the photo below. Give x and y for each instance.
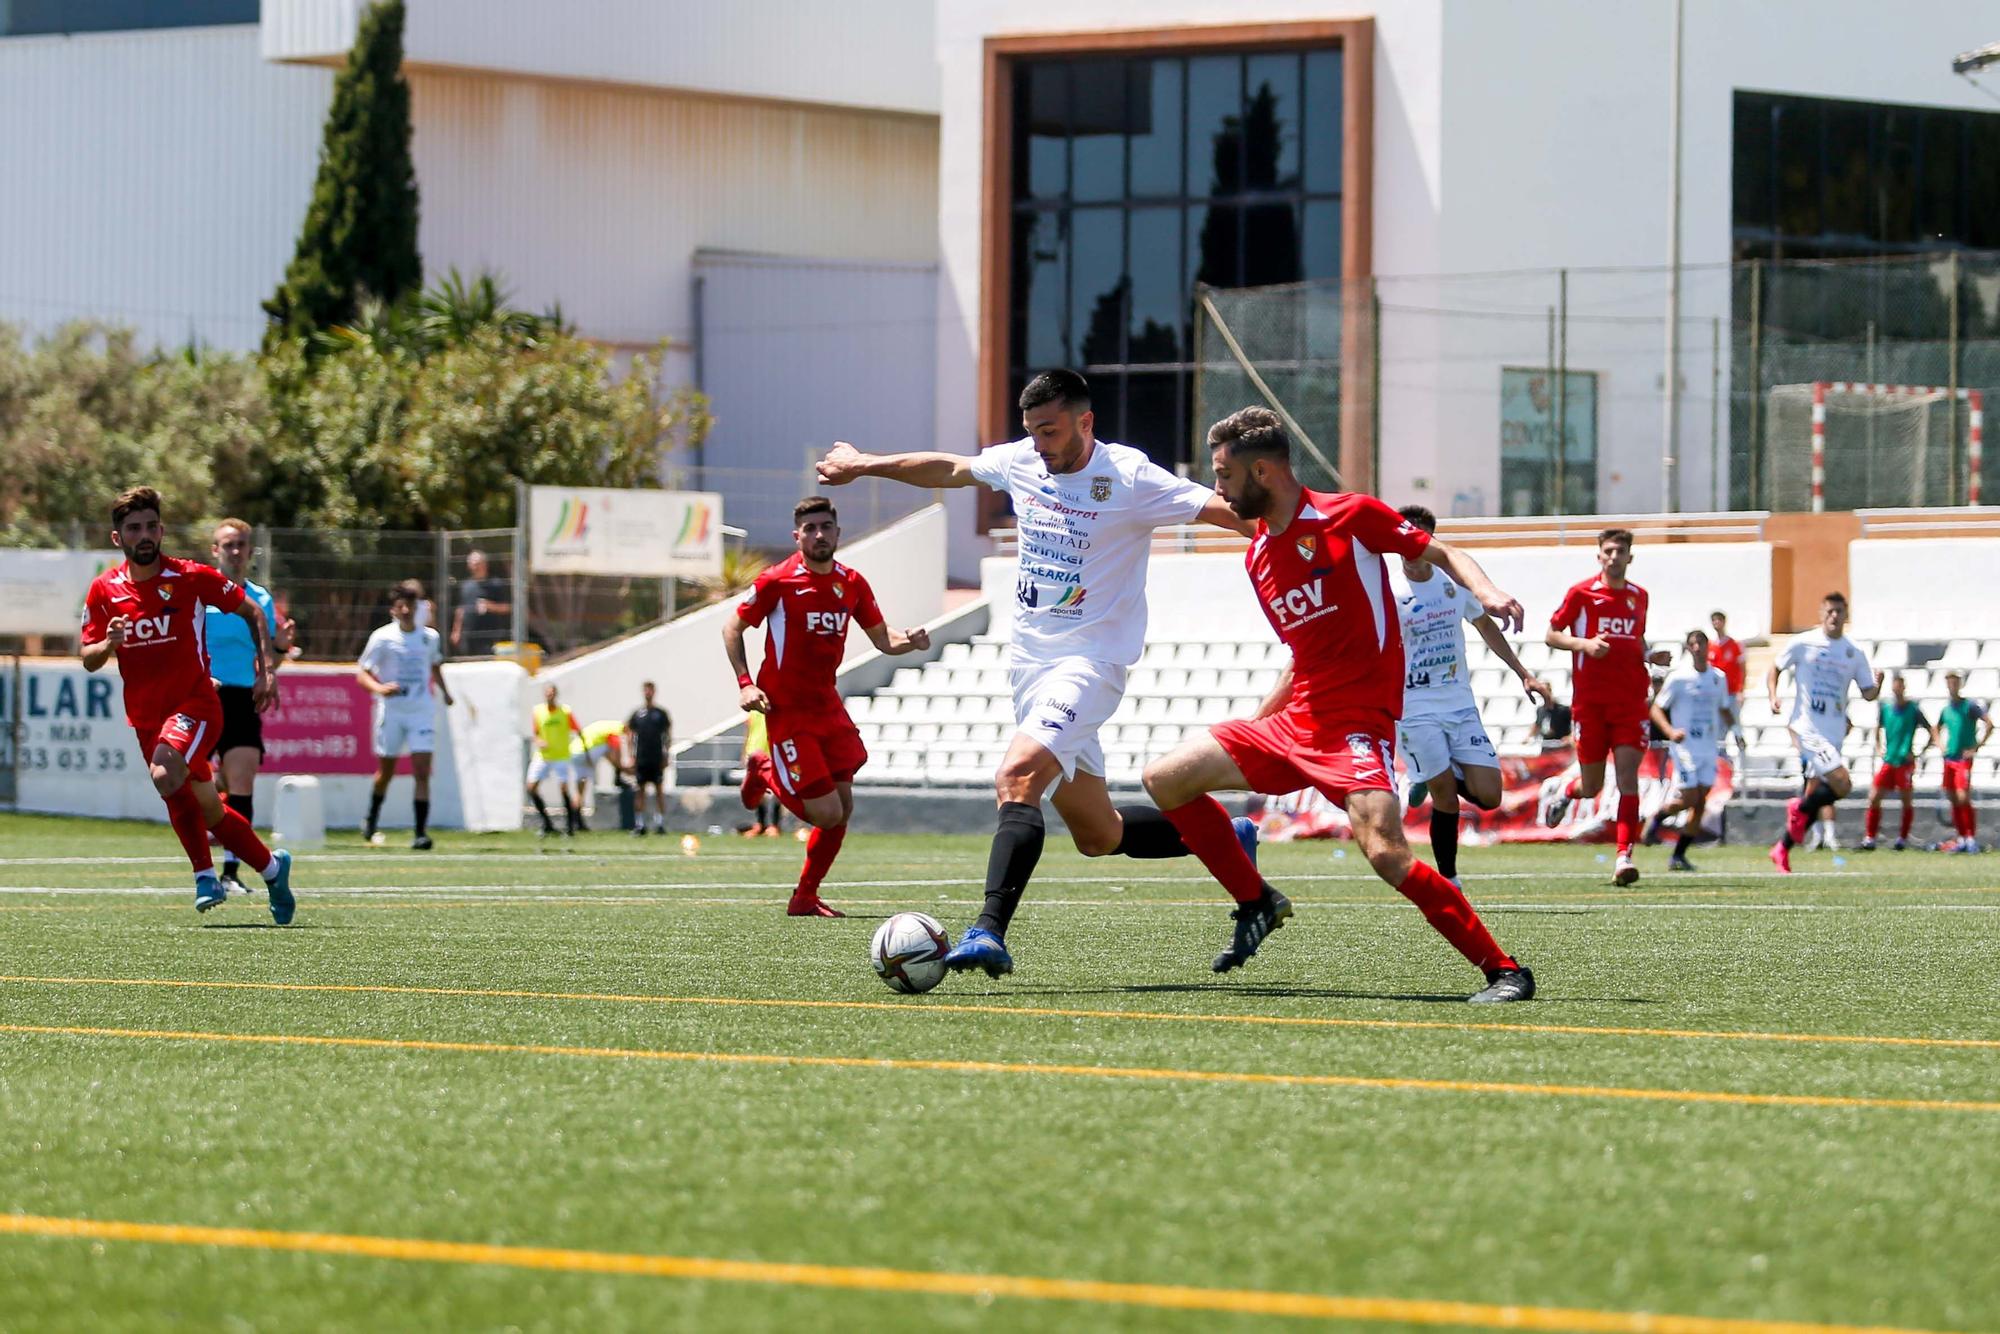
(149, 612)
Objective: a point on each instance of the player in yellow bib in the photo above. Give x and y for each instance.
(553, 727)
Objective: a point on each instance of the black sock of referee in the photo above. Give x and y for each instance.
(375, 809)
(1444, 841)
(1817, 799)
(1149, 834)
(422, 807)
(242, 804)
(1017, 846)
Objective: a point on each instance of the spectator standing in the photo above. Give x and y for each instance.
(484, 612)
(649, 731)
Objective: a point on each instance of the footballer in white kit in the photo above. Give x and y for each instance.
(1823, 662)
(1085, 511)
(399, 666)
(1692, 711)
(1444, 745)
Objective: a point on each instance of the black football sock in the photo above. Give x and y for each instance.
(767, 812)
(1149, 834)
(423, 811)
(1017, 846)
(542, 809)
(1444, 841)
(1818, 799)
(375, 809)
(243, 804)
(1684, 842)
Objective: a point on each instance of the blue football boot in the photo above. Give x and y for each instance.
(278, 888)
(1246, 834)
(209, 892)
(979, 948)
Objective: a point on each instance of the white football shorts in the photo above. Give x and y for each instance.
(399, 731)
(1433, 744)
(1061, 705)
(560, 770)
(1819, 754)
(1694, 765)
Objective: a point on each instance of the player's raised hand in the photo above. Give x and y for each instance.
(842, 464)
(114, 630)
(752, 700)
(1596, 646)
(920, 638)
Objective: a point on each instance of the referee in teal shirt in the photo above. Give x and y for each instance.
(232, 663)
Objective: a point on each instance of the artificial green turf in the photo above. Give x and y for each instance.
(1850, 1215)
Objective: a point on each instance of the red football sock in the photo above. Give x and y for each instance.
(822, 846)
(241, 840)
(1971, 820)
(1204, 826)
(1909, 814)
(1447, 909)
(1628, 820)
(1571, 791)
(1872, 824)
(1959, 821)
(184, 814)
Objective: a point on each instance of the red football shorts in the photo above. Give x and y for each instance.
(190, 732)
(1895, 777)
(1602, 727)
(1284, 752)
(1958, 775)
(757, 778)
(810, 756)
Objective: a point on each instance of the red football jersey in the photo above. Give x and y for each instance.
(1593, 608)
(164, 659)
(805, 616)
(1726, 656)
(1325, 589)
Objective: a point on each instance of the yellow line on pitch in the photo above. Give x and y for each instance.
(1142, 1073)
(1025, 1011)
(980, 1287)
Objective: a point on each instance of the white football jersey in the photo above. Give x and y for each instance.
(1693, 703)
(1085, 537)
(405, 659)
(1822, 669)
(1434, 613)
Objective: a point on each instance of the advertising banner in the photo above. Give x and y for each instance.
(1529, 786)
(599, 530)
(321, 725)
(45, 589)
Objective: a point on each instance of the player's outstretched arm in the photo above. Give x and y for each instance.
(844, 463)
(1217, 512)
(264, 690)
(749, 698)
(894, 642)
(1465, 571)
(437, 679)
(1534, 685)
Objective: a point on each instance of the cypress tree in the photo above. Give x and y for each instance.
(360, 234)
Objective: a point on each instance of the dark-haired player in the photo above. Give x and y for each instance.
(1691, 713)
(150, 613)
(1963, 727)
(1824, 662)
(806, 603)
(401, 665)
(1318, 563)
(1085, 510)
(1898, 720)
(1602, 623)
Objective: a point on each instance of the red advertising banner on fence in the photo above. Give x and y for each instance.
(321, 726)
(1528, 786)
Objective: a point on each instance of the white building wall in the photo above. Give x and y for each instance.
(154, 178)
(873, 54)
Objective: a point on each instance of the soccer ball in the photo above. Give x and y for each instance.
(908, 952)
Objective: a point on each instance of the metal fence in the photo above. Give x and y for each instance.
(1559, 376)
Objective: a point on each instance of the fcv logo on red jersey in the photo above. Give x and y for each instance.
(826, 622)
(1627, 626)
(145, 628)
(1297, 605)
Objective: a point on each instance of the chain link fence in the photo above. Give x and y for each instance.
(1544, 392)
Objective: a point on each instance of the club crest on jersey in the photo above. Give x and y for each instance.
(1307, 546)
(1100, 489)
(166, 591)
(839, 589)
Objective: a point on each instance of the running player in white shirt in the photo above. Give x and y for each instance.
(1085, 511)
(1444, 746)
(1823, 663)
(1692, 712)
(399, 666)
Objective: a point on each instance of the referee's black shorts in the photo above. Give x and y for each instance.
(241, 723)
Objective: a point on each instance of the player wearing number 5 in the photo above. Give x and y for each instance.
(149, 613)
(1823, 663)
(806, 603)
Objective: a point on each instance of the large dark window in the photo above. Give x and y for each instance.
(1136, 178)
(23, 18)
(1819, 178)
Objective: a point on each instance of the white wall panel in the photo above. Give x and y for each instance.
(156, 178)
(859, 53)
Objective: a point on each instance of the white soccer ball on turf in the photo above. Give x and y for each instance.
(908, 952)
